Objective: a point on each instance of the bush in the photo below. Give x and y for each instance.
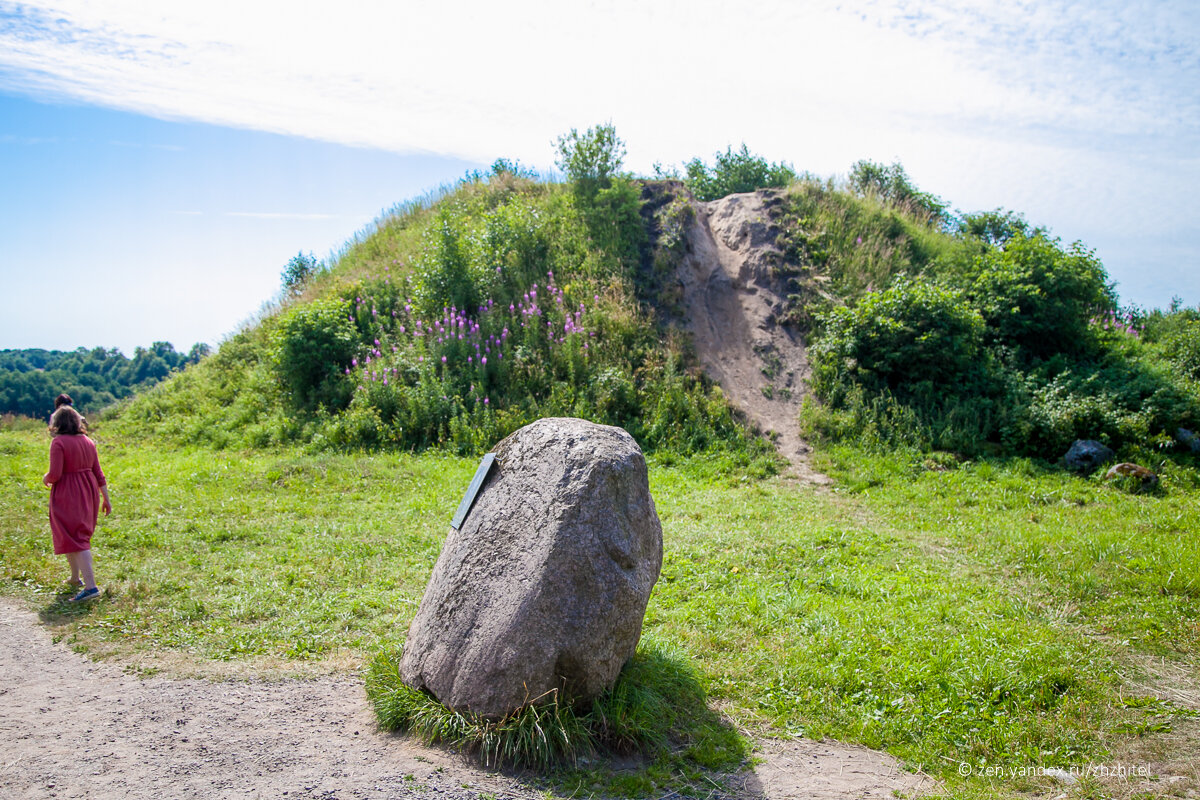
(313, 344)
(447, 275)
(1182, 347)
(913, 339)
(893, 186)
(905, 367)
(1123, 400)
(1038, 298)
(734, 172)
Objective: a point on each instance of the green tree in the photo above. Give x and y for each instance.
(1037, 297)
(199, 351)
(591, 159)
(607, 200)
(733, 172)
(995, 228)
(298, 272)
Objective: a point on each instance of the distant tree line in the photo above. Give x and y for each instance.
(31, 379)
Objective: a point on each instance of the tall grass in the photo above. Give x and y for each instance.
(859, 243)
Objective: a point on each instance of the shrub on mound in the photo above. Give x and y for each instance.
(913, 340)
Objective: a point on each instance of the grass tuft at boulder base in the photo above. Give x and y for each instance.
(656, 711)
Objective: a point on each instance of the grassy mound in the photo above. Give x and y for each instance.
(457, 321)
(460, 317)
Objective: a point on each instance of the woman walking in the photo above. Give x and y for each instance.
(76, 484)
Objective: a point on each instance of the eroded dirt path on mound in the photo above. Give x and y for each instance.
(72, 728)
(731, 297)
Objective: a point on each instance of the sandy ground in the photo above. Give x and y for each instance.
(73, 728)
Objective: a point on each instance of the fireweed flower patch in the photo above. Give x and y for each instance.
(419, 378)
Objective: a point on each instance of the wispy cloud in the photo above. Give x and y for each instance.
(278, 215)
(173, 148)
(459, 78)
(29, 141)
(1106, 67)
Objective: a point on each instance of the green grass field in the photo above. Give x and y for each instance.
(994, 614)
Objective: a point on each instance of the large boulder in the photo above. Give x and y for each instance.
(1086, 455)
(545, 584)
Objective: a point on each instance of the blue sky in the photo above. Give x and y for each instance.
(159, 163)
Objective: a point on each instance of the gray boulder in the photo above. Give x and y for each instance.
(544, 586)
(1188, 439)
(1087, 455)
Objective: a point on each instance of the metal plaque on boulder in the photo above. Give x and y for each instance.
(464, 508)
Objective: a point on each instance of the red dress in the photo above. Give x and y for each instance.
(75, 495)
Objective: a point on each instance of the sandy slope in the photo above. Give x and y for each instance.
(731, 297)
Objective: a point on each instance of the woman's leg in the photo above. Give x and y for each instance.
(84, 559)
(73, 561)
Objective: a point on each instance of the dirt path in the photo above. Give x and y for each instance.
(72, 728)
(731, 298)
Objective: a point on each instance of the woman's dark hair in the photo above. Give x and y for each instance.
(66, 421)
(63, 400)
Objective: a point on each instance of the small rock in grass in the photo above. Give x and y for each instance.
(1128, 470)
(1087, 455)
(544, 586)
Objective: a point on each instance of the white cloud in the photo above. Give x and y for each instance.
(1084, 114)
(481, 79)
